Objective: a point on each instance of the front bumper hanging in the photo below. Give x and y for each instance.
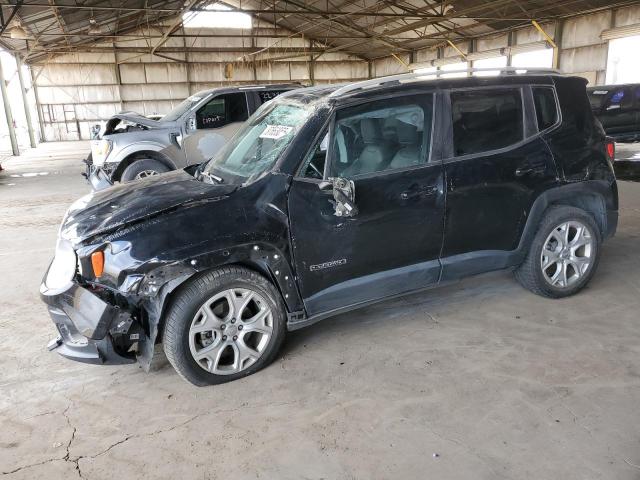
(85, 324)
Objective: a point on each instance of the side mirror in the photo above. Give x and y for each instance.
(95, 131)
(191, 124)
(344, 194)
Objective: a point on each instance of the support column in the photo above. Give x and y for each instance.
(510, 42)
(116, 71)
(25, 102)
(312, 65)
(43, 138)
(557, 38)
(7, 112)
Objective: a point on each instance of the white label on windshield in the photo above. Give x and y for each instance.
(600, 92)
(275, 131)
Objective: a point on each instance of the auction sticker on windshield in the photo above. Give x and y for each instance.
(275, 132)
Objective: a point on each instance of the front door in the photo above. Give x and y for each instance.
(392, 244)
(213, 124)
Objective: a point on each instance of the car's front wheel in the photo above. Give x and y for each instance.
(143, 168)
(223, 325)
(563, 255)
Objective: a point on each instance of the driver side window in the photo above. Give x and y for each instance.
(222, 110)
(383, 135)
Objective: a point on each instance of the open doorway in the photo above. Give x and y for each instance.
(622, 60)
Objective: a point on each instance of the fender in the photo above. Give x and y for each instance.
(157, 287)
(598, 197)
(140, 147)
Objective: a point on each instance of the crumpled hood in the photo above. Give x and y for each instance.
(114, 207)
(135, 119)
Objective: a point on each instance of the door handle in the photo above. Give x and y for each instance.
(419, 192)
(521, 172)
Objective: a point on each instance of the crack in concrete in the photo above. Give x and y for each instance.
(65, 458)
(76, 460)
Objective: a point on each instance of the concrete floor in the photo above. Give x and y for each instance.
(477, 380)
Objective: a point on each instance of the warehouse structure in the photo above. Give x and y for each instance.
(477, 379)
(88, 61)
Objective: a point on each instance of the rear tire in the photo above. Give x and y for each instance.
(223, 325)
(563, 255)
(145, 167)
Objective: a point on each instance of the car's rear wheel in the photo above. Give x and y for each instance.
(143, 168)
(563, 255)
(223, 325)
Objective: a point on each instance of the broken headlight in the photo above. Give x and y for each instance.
(63, 267)
(100, 150)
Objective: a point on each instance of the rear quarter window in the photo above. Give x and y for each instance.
(546, 109)
(486, 120)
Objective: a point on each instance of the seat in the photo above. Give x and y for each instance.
(377, 152)
(410, 151)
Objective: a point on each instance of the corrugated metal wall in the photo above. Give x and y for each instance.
(78, 90)
(582, 51)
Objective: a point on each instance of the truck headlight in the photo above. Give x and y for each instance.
(63, 267)
(100, 150)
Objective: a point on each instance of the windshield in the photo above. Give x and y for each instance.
(260, 141)
(182, 108)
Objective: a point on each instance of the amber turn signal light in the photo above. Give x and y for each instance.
(97, 262)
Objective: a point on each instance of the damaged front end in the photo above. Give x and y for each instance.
(100, 324)
(123, 251)
(108, 145)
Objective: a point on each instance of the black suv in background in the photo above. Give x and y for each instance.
(328, 199)
(618, 109)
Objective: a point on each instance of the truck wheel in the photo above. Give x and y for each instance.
(143, 168)
(223, 325)
(563, 255)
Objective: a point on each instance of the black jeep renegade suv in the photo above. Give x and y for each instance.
(328, 199)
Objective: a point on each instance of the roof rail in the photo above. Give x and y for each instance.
(416, 77)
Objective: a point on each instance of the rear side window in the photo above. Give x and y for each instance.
(620, 98)
(546, 109)
(222, 110)
(485, 120)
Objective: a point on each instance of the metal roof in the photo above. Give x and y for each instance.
(365, 28)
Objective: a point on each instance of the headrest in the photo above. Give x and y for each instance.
(407, 134)
(370, 129)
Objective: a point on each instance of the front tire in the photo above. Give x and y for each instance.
(223, 325)
(563, 255)
(143, 168)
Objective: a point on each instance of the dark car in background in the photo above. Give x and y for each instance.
(618, 109)
(329, 199)
(132, 146)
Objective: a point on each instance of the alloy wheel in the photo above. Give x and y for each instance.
(567, 254)
(145, 174)
(231, 331)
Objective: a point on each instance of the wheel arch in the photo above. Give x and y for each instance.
(592, 196)
(140, 155)
(267, 261)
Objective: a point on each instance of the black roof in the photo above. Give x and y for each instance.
(391, 84)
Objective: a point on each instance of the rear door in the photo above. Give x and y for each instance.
(213, 124)
(392, 244)
(497, 165)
